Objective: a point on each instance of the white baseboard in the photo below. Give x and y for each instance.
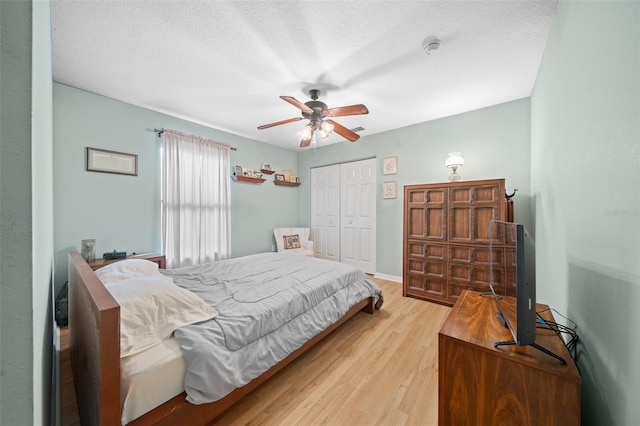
(388, 277)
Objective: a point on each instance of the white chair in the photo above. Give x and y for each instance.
(294, 241)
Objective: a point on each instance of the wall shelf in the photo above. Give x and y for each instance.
(267, 171)
(284, 183)
(247, 179)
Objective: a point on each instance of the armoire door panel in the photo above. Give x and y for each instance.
(416, 197)
(461, 195)
(482, 217)
(435, 225)
(415, 228)
(460, 224)
(436, 196)
(488, 194)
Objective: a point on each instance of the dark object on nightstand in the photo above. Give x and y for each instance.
(62, 306)
(114, 255)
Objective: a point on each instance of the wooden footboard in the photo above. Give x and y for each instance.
(94, 335)
(94, 344)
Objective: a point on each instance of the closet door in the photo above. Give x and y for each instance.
(358, 214)
(325, 212)
(343, 213)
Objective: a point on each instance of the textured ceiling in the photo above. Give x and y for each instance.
(224, 63)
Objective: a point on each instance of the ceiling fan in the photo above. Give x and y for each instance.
(317, 112)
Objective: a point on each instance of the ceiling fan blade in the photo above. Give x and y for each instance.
(344, 132)
(307, 142)
(277, 123)
(296, 103)
(347, 110)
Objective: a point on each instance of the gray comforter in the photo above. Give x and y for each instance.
(269, 305)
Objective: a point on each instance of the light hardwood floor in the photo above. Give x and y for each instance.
(374, 369)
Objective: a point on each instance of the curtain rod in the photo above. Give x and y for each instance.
(161, 131)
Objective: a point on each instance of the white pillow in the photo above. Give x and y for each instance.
(126, 269)
(151, 308)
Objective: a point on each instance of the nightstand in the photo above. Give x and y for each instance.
(160, 259)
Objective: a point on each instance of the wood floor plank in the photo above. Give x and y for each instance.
(379, 369)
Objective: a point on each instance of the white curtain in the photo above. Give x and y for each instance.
(196, 214)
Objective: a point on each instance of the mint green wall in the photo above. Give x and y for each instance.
(494, 142)
(123, 212)
(26, 232)
(585, 174)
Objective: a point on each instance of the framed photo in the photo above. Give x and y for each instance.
(292, 178)
(266, 166)
(247, 172)
(279, 177)
(390, 166)
(101, 160)
(239, 171)
(390, 189)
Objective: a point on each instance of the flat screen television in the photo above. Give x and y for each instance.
(516, 243)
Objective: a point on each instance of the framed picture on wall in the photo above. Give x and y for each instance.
(390, 189)
(279, 177)
(104, 161)
(390, 166)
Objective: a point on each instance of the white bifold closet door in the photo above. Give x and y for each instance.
(343, 213)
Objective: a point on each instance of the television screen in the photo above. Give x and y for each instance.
(511, 241)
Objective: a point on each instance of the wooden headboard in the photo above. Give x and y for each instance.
(94, 341)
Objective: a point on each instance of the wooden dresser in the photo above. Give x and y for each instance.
(509, 385)
(446, 238)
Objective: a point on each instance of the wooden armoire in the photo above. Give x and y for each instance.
(446, 239)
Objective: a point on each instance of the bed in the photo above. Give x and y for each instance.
(241, 292)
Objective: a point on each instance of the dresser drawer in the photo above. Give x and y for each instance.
(427, 251)
(479, 255)
(425, 286)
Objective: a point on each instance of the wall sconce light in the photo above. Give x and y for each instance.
(454, 161)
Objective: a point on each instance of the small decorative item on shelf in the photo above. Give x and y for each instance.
(266, 169)
(286, 180)
(286, 174)
(247, 175)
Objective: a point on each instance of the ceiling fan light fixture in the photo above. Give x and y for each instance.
(305, 133)
(325, 129)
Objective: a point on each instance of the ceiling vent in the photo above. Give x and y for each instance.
(357, 129)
